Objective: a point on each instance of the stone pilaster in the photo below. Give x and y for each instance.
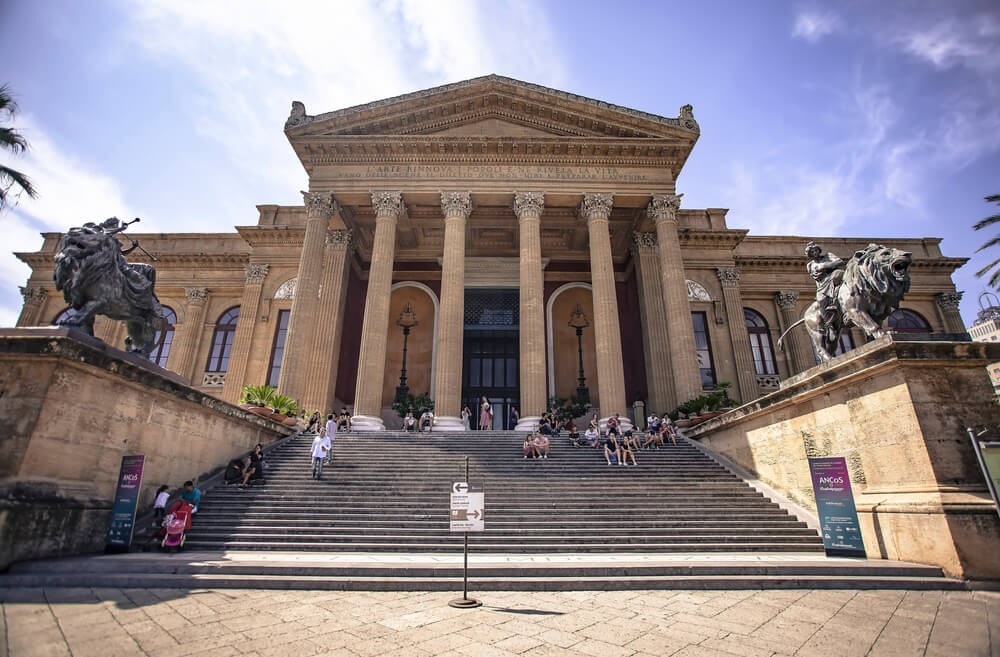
(528, 207)
(948, 303)
(239, 356)
(595, 210)
(374, 329)
(323, 357)
(187, 340)
(34, 298)
(293, 379)
(456, 207)
(746, 375)
(656, 347)
(799, 347)
(662, 210)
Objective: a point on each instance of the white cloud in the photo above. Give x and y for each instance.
(973, 41)
(813, 25)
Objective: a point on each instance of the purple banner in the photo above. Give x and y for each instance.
(126, 501)
(838, 518)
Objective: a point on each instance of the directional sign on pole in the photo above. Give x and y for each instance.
(468, 502)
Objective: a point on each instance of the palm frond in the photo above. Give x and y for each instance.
(993, 198)
(13, 141)
(7, 102)
(10, 177)
(988, 221)
(982, 272)
(992, 242)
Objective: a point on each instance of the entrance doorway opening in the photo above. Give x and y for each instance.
(491, 355)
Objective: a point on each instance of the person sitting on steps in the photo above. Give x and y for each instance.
(344, 421)
(409, 422)
(426, 420)
(574, 433)
(611, 448)
(541, 445)
(592, 436)
(528, 446)
(626, 451)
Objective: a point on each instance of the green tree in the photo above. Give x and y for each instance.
(11, 140)
(989, 221)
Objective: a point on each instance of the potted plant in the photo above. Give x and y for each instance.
(284, 410)
(258, 399)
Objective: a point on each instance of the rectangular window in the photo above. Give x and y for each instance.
(703, 349)
(278, 350)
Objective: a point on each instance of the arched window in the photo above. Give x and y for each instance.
(222, 341)
(908, 321)
(760, 342)
(164, 338)
(64, 315)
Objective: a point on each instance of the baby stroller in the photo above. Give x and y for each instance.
(177, 523)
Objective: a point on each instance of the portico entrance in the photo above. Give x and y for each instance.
(491, 354)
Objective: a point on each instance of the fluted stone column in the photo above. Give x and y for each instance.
(528, 207)
(948, 302)
(188, 338)
(293, 379)
(456, 207)
(374, 330)
(596, 210)
(662, 210)
(746, 375)
(799, 347)
(656, 347)
(239, 355)
(34, 297)
(323, 359)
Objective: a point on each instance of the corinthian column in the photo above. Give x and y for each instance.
(456, 207)
(324, 354)
(292, 381)
(948, 303)
(596, 209)
(374, 329)
(799, 347)
(680, 331)
(239, 355)
(34, 297)
(528, 207)
(188, 339)
(746, 375)
(656, 347)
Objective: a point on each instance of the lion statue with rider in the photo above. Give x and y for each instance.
(95, 279)
(862, 292)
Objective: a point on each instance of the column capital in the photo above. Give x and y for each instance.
(33, 296)
(456, 204)
(529, 205)
(320, 205)
(387, 204)
(597, 205)
(644, 242)
(948, 300)
(339, 240)
(728, 276)
(196, 296)
(786, 299)
(256, 273)
(663, 207)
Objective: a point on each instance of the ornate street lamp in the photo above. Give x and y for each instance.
(406, 321)
(579, 321)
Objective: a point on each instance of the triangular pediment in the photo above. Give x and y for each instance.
(492, 127)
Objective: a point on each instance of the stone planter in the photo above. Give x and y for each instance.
(260, 410)
(684, 424)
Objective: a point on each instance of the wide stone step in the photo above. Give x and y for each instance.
(498, 521)
(506, 547)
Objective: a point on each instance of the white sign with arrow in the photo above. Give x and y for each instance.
(468, 503)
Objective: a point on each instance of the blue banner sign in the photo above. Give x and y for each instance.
(838, 518)
(126, 501)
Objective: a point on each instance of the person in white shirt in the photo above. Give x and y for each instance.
(320, 450)
(426, 420)
(331, 424)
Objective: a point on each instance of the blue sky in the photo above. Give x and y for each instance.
(853, 118)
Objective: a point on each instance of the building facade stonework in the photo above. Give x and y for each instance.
(493, 209)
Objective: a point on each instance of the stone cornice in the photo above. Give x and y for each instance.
(798, 263)
(711, 238)
(272, 235)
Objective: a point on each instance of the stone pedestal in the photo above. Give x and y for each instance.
(897, 411)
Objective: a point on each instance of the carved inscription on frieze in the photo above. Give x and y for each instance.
(492, 172)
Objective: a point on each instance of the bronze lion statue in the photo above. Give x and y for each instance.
(95, 279)
(874, 282)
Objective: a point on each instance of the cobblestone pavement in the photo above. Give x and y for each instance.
(221, 622)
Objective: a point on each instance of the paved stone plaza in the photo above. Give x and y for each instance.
(108, 622)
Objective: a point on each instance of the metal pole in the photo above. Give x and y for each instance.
(465, 569)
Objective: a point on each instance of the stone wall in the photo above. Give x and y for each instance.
(70, 408)
(897, 411)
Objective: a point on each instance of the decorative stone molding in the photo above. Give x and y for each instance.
(948, 300)
(387, 204)
(196, 296)
(456, 204)
(286, 290)
(33, 296)
(320, 205)
(786, 299)
(529, 205)
(256, 273)
(768, 382)
(339, 240)
(663, 207)
(297, 116)
(686, 112)
(214, 379)
(644, 242)
(728, 276)
(597, 205)
(697, 291)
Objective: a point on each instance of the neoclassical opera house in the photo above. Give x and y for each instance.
(486, 217)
